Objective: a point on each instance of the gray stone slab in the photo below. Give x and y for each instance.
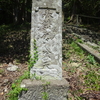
(92, 44)
(46, 30)
(54, 89)
(90, 50)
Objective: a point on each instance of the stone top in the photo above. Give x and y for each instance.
(47, 4)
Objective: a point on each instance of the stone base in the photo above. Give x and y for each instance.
(44, 90)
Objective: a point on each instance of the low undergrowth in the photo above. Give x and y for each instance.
(82, 70)
(15, 87)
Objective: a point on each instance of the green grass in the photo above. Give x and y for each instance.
(44, 96)
(87, 74)
(92, 81)
(91, 59)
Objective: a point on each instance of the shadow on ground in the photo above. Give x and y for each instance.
(14, 44)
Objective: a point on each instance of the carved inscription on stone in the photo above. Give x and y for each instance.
(46, 30)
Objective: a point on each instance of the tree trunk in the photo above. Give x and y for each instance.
(74, 11)
(15, 11)
(28, 12)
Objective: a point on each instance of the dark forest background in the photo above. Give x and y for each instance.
(15, 11)
(19, 11)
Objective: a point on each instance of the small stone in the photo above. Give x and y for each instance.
(23, 85)
(6, 81)
(75, 64)
(12, 67)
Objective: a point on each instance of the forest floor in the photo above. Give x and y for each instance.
(9, 77)
(79, 68)
(14, 49)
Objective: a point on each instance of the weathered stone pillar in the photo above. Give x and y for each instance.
(46, 44)
(46, 31)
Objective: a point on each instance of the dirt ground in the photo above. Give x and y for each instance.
(14, 49)
(8, 77)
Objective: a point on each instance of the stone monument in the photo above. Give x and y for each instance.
(46, 30)
(46, 47)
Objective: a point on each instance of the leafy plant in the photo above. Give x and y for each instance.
(91, 59)
(16, 89)
(32, 61)
(44, 96)
(76, 48)
(79, 40)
